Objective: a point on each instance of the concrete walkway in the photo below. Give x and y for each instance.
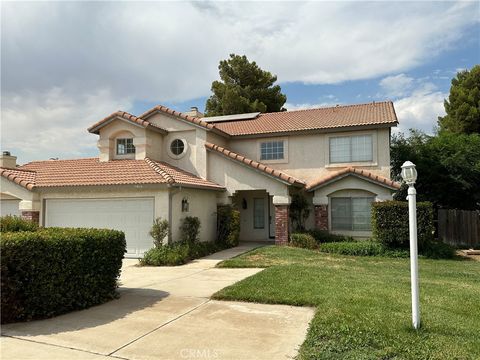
(166, 313)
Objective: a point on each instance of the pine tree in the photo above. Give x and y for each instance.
(244, 88)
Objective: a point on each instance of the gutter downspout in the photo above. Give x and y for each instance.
(171, 193)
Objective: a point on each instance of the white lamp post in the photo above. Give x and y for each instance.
(409, 174)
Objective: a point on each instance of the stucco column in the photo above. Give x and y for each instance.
(320, 206)
(30, 210)
(282, 221)
(224, 198)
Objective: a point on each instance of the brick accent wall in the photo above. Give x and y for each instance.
(321, 217)
(31, 215)
(281, 224)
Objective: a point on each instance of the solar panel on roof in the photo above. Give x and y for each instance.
(234, 117)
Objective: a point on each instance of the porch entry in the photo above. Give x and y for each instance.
(257, 215)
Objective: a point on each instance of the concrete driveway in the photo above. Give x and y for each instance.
(166, 313)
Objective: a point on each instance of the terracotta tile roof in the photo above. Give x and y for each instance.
(91, 172)
(380, 113)
(192, 119)
(255, 165)
(337, 175)
(174, 175)
(23, 178)
(124, 115)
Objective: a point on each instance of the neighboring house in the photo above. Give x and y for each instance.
(171, 165)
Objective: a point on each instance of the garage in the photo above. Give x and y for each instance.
(9, 207)
(134, 216)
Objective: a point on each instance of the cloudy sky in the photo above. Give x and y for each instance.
(65, 65)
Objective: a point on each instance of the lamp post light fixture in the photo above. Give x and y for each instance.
(409, 175)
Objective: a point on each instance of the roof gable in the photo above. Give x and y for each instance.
(124, 116)
(351, 171)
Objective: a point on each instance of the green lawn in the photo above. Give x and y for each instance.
(363, 303)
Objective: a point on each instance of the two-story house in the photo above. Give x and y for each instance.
(170, 165)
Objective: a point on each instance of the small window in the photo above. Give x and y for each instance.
(344, 149)
(272, 150)
(258, 213)
(351, 214)
(125, 146)
(177, 147)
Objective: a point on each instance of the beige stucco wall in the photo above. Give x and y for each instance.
(119, 129)
(195, 159)
(10, 190)
(202, 204)
(307, 156)
(235, 176)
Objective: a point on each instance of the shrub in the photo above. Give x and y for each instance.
(323, 236)
(178, 253)
(56, 270)
(363, 248)
(190, 229)
(390, 223)
(299, 211)
(438, 250)
(160, 229)
(166, 255)
(228, 225)
(11, 223)
(303, 240)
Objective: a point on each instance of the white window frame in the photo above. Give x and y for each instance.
(352, 227)
(373, 162)
(169, 149)
(271, 140)
(126, 147)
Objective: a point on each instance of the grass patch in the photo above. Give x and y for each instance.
(364, 303)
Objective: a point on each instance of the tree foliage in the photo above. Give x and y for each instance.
(463, 104)
(244, 88)
(448, 167)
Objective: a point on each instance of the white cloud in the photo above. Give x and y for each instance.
(60, 53)
(54, 124)
(396, 85)
(293, 106)
(421, 109)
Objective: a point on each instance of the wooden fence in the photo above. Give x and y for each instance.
(459, 227)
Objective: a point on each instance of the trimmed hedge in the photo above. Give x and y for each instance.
(55, 270)
(228, 225)
(303, 240)
(179, 253)
(361, 248)
(323, 236)
(11, 223)
(390, 223)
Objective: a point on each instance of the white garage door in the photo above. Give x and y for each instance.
(9, 207)
(134, 216)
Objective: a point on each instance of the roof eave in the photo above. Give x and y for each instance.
(342, 176)
(315, 131)
(95, 129)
